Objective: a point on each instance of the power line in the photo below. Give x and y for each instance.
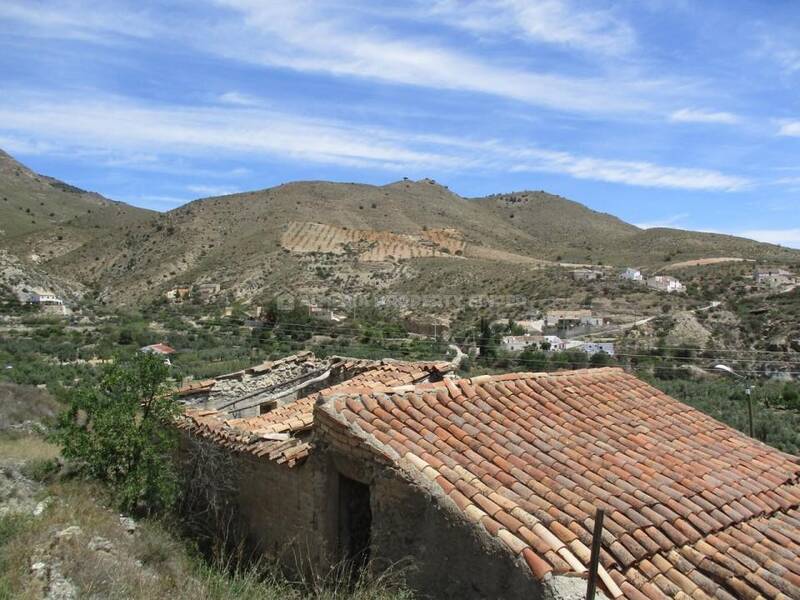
(355, 331)
(304, 329)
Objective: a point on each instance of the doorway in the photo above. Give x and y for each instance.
(355, 523)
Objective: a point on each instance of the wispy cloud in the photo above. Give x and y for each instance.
(559, 22)
(782, 48)
(239, 99)
(117, 125)
(211, 190)
(789, 128)
(693, 115)
(337, 39)
(301, 35)
(72, 19)
(670, 221)
(784, 237)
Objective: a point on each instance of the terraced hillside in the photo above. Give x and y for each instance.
(371, 245)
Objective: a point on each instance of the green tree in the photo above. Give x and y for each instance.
(120, 431)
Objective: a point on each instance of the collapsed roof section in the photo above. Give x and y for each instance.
(282, 433)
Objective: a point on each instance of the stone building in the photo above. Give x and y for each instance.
(489, 486)
(262, 388)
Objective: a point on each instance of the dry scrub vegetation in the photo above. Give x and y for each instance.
(61, 540)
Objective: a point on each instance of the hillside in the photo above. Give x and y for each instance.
(317, 237)
(43, 218)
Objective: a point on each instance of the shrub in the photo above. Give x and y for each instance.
(120, 432)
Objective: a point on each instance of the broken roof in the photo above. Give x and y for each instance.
(277, 434)
(694, 509)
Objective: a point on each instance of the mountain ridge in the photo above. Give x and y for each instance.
(376, 237)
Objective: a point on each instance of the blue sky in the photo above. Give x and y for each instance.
(675, 113)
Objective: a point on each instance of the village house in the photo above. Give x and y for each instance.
(553, 343)
(529, 325)
(665, 283)
(631, 274)
(48, 302)
(177, 294)
(774, 278)
(206, 291)
(517, 343)
(490, 486)
(588, 274)
(592, 348)
(44, 298)
(326, 314)
(159, 349)
(570, 319)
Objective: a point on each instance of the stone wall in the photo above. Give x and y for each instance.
(251, 503)
(293, 515)
(439, 554)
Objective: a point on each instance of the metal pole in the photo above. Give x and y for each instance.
(750, 409)
(594, 559)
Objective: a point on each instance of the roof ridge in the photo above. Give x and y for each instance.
(478, 380)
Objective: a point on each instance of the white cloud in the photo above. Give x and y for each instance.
(635, 173)
(238, 99)
(784, 237)
(786, 54)
(28, 146)
(345, 39)
(114, 127)
(211, 190)
(671, 221)
(692, 115)
(789, 128)
(302, 36)
(559, 22)
(73, 19)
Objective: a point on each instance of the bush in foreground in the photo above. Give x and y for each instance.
(119, 432)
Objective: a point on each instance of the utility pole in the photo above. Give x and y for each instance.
(748, 391)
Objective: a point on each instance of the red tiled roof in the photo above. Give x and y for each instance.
(694, 509)
(160, 348)
(275, 434)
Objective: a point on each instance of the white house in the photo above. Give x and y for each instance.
(774, 278)
(592, 348)
(556, 343)
(666, 283)
(517, 343)
(631, 274)
(46, 298)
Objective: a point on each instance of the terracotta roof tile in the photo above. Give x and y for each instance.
(694, 509)
(282, 434)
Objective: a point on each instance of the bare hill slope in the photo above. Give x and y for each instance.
(324, 236)
(42, 218)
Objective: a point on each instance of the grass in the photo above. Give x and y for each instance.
(26, 447)
(19, 403)
(152, 563)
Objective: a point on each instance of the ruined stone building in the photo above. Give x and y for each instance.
(262, 388)
(488, 486)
